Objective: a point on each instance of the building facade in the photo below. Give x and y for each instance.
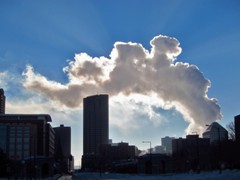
(119, 151)
(50, 141)
(237, 128)
(2, 101)
(167, 143)
(118, 157)
(216, 133)
(95, 126)
(63, 148)
(191, 153)
(27, 142)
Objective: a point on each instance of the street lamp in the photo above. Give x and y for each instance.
(150, 143)
(219, 147)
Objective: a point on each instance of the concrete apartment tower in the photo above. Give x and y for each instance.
(95, 126)
(2, 101)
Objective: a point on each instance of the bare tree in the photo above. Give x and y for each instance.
(231, 130)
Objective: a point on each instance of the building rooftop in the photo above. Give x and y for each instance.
(214, 126)
(46, 117)
(94, 96)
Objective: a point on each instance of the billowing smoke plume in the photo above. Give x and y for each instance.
(131, 69)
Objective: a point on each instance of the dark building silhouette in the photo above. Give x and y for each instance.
(237, 128)
(95, 127)
(2, 101)
(63, 148)
(27, 141)
(191, 152)
(118, 151)
(237, 140)
(26, 134)
(119, 157)
(161, 163)
(27, 145)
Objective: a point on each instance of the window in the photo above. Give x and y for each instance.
(26, 140)
(11, 146)
(26, 130)
(26, 153)
(11, 152)
(19, 147)
(19, 140)
(12, 140)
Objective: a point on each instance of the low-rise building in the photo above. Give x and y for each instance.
(118, 155)
(191, 152)
(63, 148)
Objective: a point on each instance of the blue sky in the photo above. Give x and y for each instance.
(47, 34)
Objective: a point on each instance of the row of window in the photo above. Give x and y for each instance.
(19, 155)
(20, 129)
(19, 139)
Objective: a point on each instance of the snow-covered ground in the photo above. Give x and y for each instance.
(225, 175)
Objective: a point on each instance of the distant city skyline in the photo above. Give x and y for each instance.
(53, 54)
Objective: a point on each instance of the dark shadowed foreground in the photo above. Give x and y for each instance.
(227, 174)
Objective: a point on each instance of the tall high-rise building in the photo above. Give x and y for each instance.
(95, 127)
(95, 123)
(237, 128)
(2, 102)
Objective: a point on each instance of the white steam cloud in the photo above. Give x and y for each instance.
(132, 70)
